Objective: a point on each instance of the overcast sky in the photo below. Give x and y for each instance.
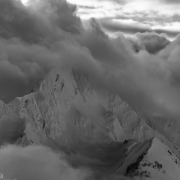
(132, 16)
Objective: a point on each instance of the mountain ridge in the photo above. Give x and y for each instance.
(92, 125)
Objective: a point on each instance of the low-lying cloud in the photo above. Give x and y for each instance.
(37, 163)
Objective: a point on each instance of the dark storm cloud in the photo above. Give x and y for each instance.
(152, 42)
(144, 80)
(133, 29)
(30, 26)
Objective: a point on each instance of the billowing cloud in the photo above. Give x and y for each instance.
(28, 24)
(144, 80)
(37, 163)
(151, 42)
(147, 82)
(27, 34)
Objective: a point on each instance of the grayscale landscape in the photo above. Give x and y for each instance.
(90, 89)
